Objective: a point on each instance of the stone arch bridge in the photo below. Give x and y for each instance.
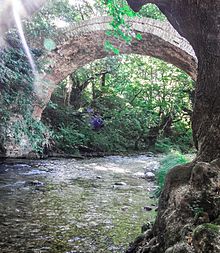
(83, 42)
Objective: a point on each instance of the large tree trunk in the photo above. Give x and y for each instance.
(178, 227)
(199, 23)
(206, 115)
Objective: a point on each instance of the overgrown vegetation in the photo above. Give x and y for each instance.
(118, 10)
(144, 102)
(166, 164)
(17, 95)
(37, 133)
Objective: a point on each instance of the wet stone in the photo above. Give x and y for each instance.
(34, 183)
(120, 183)
(146, 227)
(34, 172)
(150, 176)
(148, 208)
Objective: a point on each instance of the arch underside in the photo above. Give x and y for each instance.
(83, 43)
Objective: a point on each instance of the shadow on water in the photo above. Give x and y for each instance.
(94, 205)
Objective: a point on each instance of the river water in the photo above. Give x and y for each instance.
(66, 205)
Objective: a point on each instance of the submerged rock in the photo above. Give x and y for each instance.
(148, 208)
(124, 208)
(120, 183)
(150, 176)
(146, 227)
(34, 183)
(152, 166)
(140, 174)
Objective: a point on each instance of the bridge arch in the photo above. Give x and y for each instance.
(82, 43)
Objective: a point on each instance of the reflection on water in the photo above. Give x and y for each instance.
(88, 206)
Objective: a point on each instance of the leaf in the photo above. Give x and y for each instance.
(109, 47)
(138, 36)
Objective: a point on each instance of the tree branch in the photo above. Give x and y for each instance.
(135, 96)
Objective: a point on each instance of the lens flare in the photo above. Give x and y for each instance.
(16, 6)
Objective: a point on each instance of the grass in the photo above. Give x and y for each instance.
(166, 164)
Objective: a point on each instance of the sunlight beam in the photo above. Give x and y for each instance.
(16, 6)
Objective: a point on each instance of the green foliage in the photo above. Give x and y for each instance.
(164, 145)
(37, 133)
(180, 140)
(213, 227)
(196, 208)
(15, 70)
(151, 11)
(110, 47)
(166, 164)
(16, 79)
(119, 10)
(136, 96)
(182, 137)
(59, 13)
(69, 138)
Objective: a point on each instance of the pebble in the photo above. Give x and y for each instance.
(145, 227)
(120, 183)
(124, 208)
(150, 176)
(148, 208)
(140, 175)
(152, 166)
(35, 183)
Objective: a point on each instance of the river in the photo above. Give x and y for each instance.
(74, 206)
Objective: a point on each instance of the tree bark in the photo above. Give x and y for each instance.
(199, 23)
(206, 113)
